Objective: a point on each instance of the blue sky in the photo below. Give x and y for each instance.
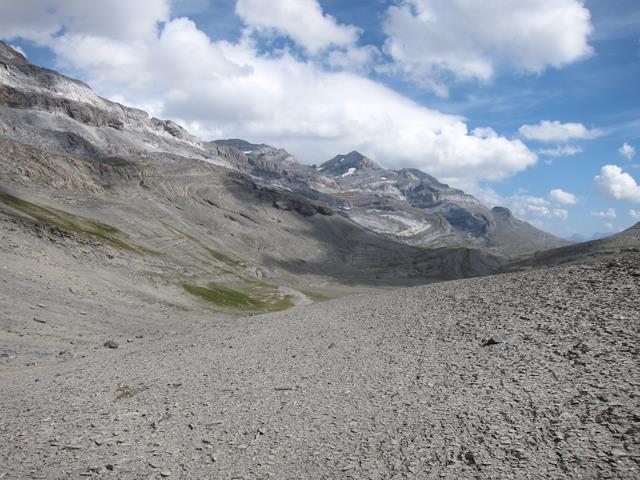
(404, 81)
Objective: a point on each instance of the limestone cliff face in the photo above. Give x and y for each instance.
(52, 109)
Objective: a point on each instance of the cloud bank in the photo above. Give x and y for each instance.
(432, 39)
(535, 210)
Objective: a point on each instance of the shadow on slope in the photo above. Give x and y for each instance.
(353, 254)
(627, 241)
(208, 224)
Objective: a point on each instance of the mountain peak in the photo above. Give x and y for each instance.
(358, 160)
(10, 55)
(351, 162)
(502, 211)
(354, 154)
(7, 51)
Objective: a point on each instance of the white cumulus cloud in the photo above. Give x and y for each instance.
(430, 39)
(222, 89)
(616, 184)
(39, 20)
(609, 213)
(555, 131)
(561, 151)
(301, 20)
(558, 195)
(627, 151)
(634, 214)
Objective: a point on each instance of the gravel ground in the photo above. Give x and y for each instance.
(401, 384)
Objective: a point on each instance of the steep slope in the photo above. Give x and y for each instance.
(626, 242)
(48, 110)
(512, 236)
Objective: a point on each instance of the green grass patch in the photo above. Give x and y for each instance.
(70, 223)
(240, 301)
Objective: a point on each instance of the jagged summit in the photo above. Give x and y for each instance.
(502, 211)
(424, 177)
(348, 164)
(8, 53)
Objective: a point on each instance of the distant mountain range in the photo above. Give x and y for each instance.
(622, 243)
(577, 238)
(406, 205)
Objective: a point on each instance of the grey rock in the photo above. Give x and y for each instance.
(469, 458)
(110, 344)
(494, 340)
(619, 453)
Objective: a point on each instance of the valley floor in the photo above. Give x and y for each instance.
(390, 385)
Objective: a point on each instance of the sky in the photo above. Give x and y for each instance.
(529, 104)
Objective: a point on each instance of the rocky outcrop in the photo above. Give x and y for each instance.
(302, 207)
(172, 128)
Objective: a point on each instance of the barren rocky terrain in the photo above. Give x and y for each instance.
(173, 308)
(520, 375)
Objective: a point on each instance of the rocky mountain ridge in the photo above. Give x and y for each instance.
(407, 205)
